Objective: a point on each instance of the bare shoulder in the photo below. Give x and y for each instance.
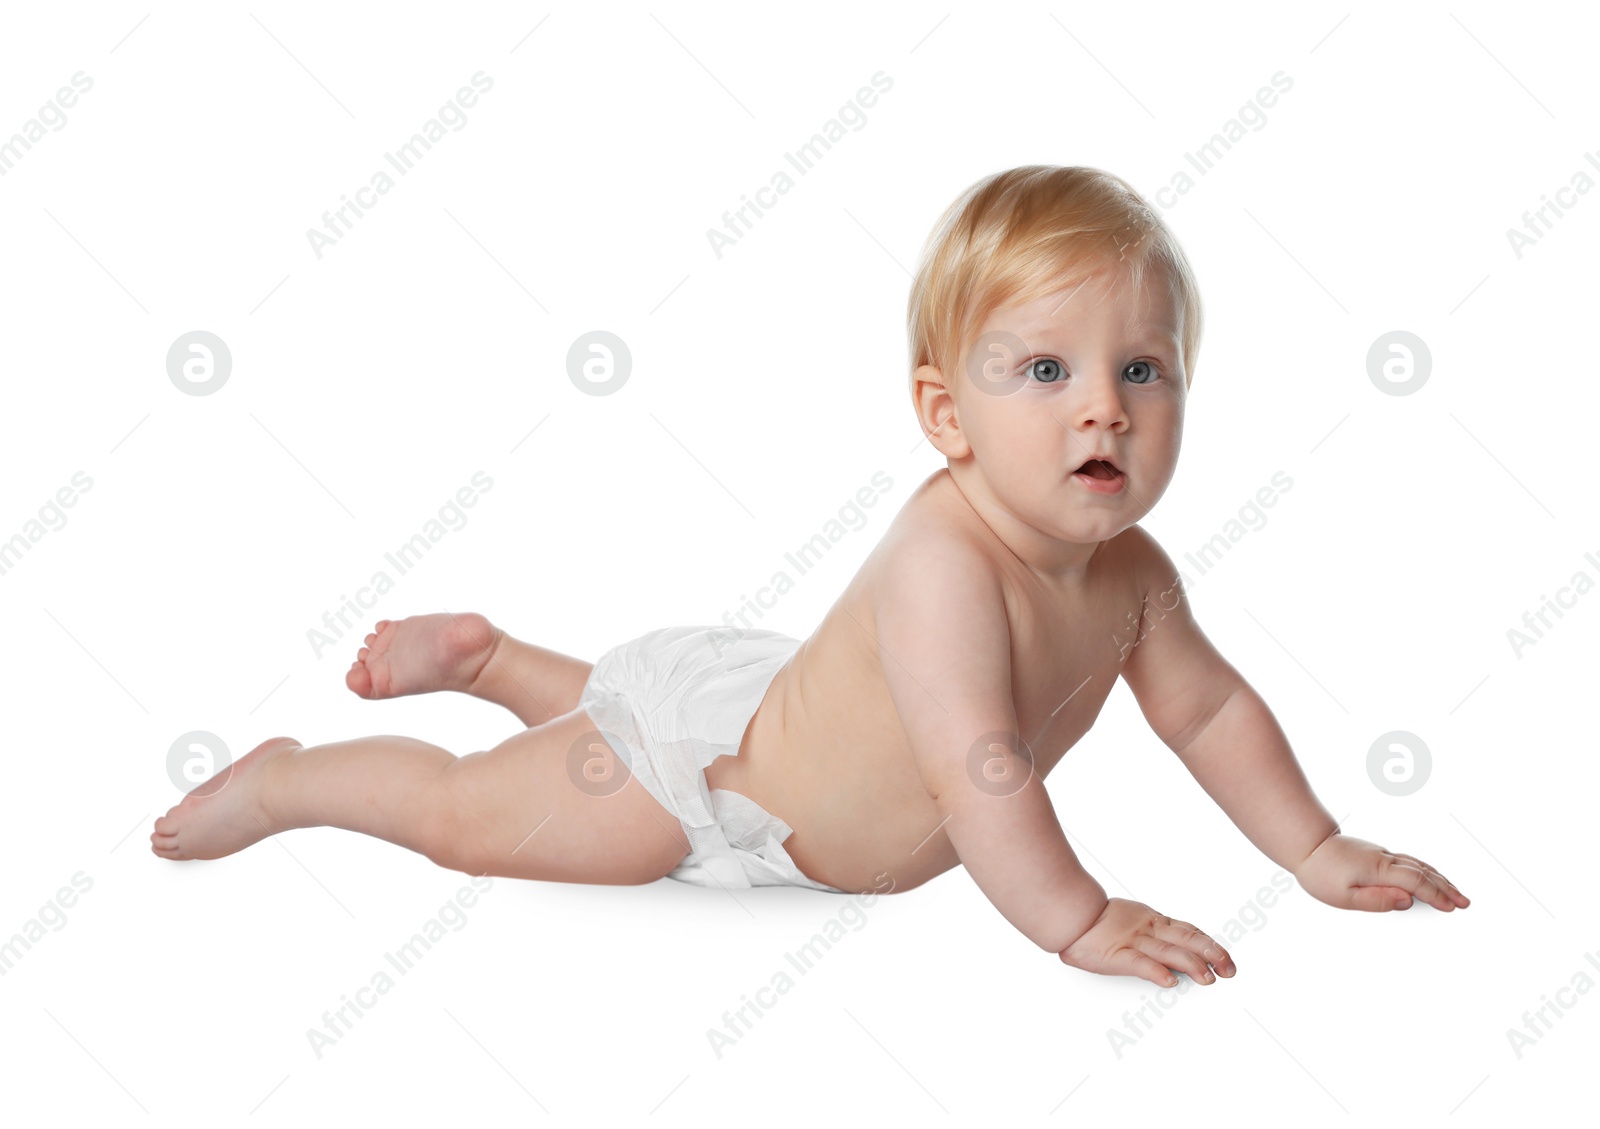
(930, 564)
(935, 545)
(938, 593)
(1154, 573)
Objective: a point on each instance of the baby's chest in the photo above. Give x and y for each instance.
(1065, 662)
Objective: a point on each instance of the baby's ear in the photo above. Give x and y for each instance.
(936, 411)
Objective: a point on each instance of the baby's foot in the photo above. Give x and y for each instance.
(224, 814)
(423, 653)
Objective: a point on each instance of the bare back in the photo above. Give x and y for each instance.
(826, 751)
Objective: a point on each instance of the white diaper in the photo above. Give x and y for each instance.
(672, 701)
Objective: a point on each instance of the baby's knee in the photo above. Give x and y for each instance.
(444, 842)
(450, 823)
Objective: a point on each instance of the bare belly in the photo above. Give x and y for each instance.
(840, 776)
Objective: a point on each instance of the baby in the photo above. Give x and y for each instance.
(1054, 323)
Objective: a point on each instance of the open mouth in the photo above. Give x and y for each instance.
(1100, 476)
(1099, 468)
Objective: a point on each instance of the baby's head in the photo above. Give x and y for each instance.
(1054, 318)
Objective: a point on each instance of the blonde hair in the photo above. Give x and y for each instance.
(1025, 232)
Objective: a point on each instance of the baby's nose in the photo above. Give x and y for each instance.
(1097, 404)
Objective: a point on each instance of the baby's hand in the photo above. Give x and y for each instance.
(1354, 874)
(1131, 939)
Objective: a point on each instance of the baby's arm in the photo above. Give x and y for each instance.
(945, 645)
(1206, 713)
(1227, 738)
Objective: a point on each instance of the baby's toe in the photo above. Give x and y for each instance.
(359, 679)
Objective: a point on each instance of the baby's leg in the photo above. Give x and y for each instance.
(465, 652)
(528, 808)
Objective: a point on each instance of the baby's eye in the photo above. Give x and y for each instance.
(1145, 370)
(1045, 370)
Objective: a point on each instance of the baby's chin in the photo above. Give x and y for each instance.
(1083, 528)
(1092, 532)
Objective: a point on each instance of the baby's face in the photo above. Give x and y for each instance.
(1075, 374)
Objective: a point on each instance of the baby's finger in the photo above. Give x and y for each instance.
(1418, 882)
(1130, 962)
(1186, 935)
(1412, 859)
(1447, 886)
(1125, 962)
(1175, 957)
(1378, 899)
(1450, 888)
(1432, 872)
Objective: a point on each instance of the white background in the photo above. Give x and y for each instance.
(768, 386)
